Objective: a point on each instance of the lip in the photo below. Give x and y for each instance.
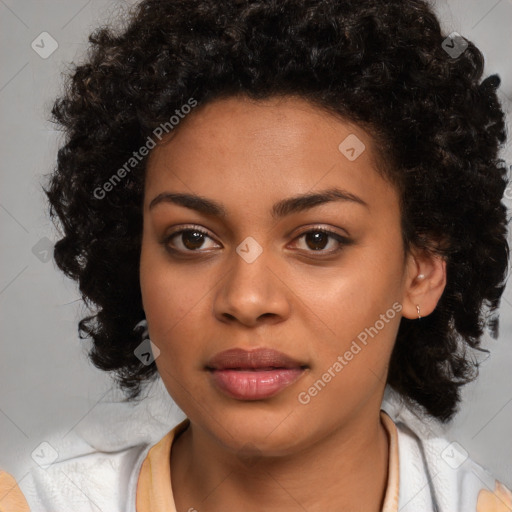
(253, 375)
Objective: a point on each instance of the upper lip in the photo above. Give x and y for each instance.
(238, 358)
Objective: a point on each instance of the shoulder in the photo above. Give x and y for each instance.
(86, 482)
(439, 475)
(11, 497)
(498, 499)
(96, 465)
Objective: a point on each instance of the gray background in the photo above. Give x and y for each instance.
(49, 391)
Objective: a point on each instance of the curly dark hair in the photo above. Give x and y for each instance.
(437, 124)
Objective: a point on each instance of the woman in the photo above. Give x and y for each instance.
(287, 211)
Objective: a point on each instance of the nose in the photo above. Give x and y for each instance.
(252, 292)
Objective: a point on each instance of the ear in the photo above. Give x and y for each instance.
(424, 284)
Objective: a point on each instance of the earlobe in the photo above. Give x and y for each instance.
(424, 286)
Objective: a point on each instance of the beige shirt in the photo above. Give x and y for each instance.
(154, 491)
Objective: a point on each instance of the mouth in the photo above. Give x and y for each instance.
(253, 375)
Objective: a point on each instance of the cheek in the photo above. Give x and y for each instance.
(354, 296)
(358, 307)
(171, 298)
(172, 302)
(352, 358)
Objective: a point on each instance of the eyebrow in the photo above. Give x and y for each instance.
(280, 209)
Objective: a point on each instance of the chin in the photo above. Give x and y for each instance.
(258, 429)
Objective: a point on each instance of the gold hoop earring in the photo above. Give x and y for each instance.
(418, 310)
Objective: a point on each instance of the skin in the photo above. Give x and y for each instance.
(270, 454)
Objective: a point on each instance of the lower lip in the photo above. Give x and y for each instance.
(254, 385)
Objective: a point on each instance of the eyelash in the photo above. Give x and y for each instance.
(343, 241)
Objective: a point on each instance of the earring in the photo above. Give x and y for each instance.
(421, 276)
(418, 310)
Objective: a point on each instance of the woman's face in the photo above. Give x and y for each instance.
(264, 275)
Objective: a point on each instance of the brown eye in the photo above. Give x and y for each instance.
(192, 239)
(318, 239)
(187, 240)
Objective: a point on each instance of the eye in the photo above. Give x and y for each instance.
(317, 239)
(188, 240)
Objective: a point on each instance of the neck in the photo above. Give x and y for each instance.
(346, 470)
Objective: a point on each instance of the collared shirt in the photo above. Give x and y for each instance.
(426, 473)
(154, 491)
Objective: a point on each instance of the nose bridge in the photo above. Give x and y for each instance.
(250, 289)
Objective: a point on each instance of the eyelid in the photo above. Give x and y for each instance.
(343, 240)
(324, 229)
(187, 227)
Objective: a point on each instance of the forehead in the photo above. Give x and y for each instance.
(264, 149)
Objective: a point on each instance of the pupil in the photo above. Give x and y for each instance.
(317, 238)
(196, 238)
